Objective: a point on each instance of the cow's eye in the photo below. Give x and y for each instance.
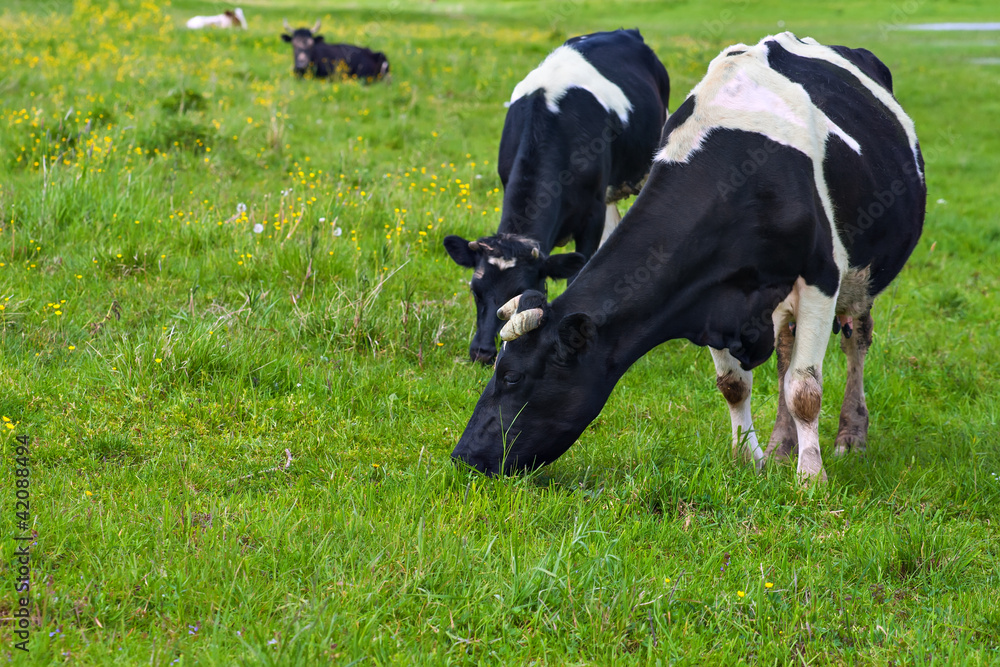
(511, 378)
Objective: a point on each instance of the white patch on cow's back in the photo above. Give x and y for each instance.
(810, 48)
(502, 263)
(566, 68)
(744, 95)
(742, 92)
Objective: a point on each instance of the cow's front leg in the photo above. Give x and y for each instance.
(784, 440)
(611, 219)
(588, 236)
(736, 385)
(812, 311)
(852, 434)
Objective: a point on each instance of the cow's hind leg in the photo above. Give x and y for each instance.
(812, 311)
(852, 434)
(736, 385)
(783, 441)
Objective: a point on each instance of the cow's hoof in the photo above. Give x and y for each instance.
(781, 448)
(743, 457)
(774, 460)
(849, 442)
(807, 480)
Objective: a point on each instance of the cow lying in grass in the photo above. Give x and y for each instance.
(312, 54)
(789, 187)
(227, 19)
(579, 135)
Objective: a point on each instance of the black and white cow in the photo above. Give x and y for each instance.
(313, 54)
(789, 187)
(580, 134)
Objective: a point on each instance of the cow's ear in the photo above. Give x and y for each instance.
(286, 37)
(460, 251)
(317, 38)
(577, 334)
(563, 265)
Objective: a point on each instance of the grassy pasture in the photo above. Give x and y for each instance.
(205, 262)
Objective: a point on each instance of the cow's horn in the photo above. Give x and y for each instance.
(288, 28)
(474, 246)
(505, 311)
(316, 27)
(521, 324)
(534, 253)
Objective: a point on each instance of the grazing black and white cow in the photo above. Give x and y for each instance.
(227, 19)
(313, 54)
(788, 187)
(580, 134)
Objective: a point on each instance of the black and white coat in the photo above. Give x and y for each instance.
(579, 135)
(789, 187)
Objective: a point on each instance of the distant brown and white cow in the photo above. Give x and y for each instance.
(227, 19)
(789, 186)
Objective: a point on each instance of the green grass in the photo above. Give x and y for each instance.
(162, 357)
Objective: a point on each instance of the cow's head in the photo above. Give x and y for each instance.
(302, 41)
(548, 385)
(504, 266)
(236, 18)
